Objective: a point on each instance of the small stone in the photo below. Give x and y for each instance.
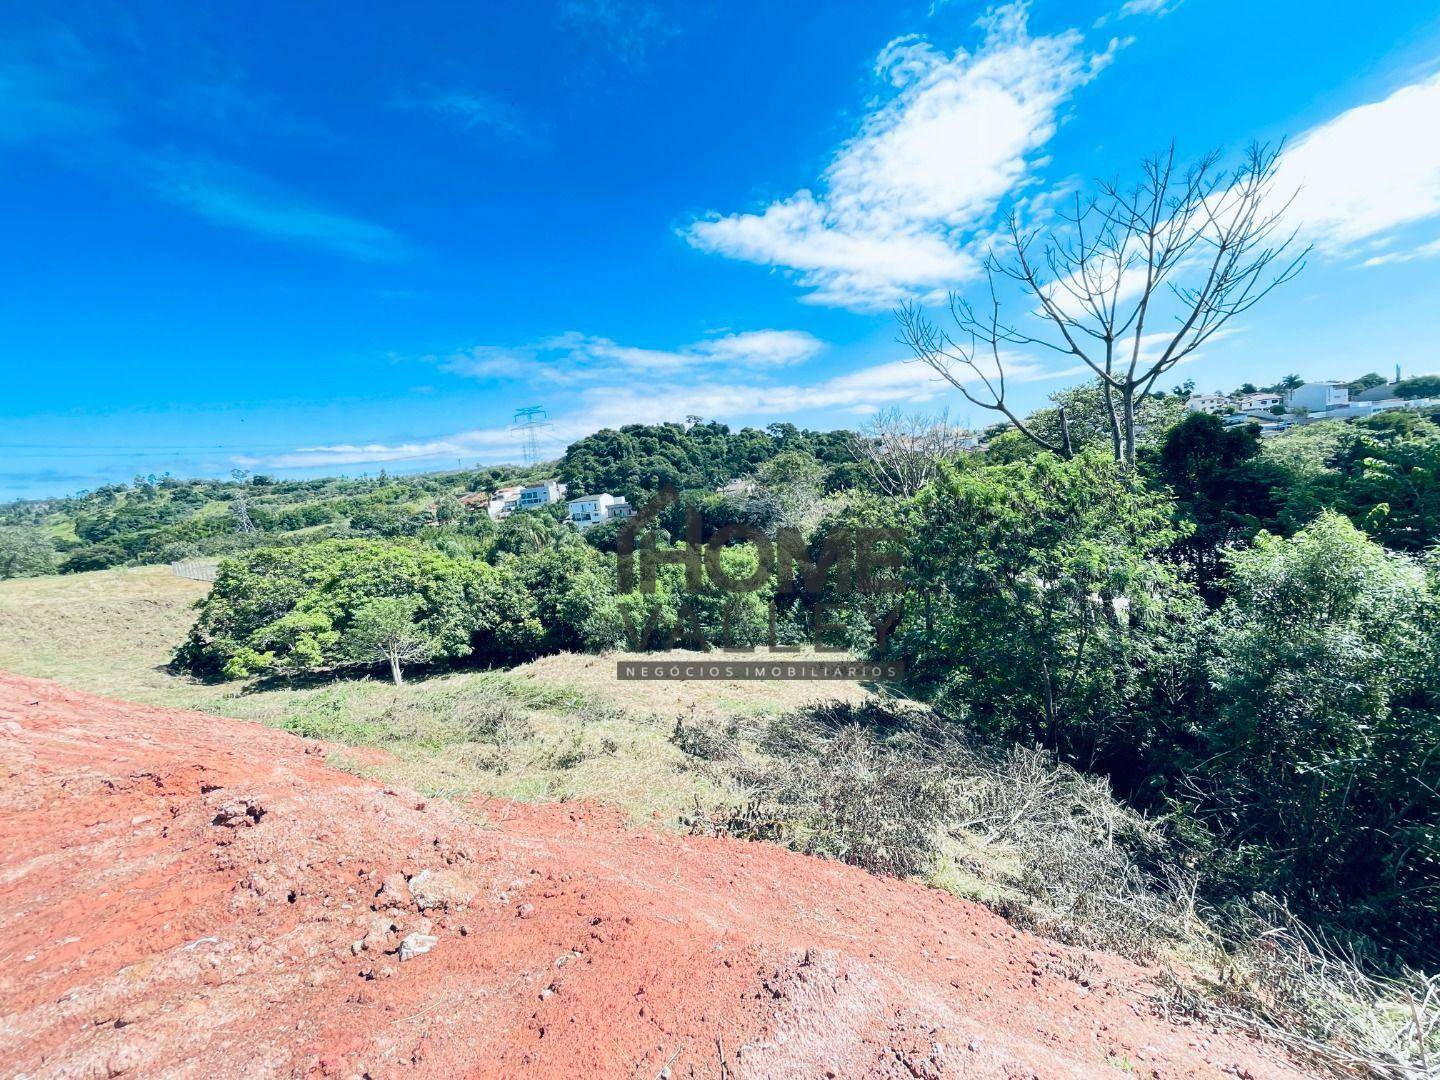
(240, 813)
(393, 892)
(417, 945)
(524, 911)
(440, 889)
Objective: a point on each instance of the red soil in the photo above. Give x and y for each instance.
(182, 895)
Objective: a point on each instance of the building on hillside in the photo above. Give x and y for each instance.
(590, 510)
(505, 501)
(475, 500)
(1263, 401)
(1209, 403)
(1318, 397)
(534, 496)
(1264, 422)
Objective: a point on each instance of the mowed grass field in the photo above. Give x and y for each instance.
(561, 727)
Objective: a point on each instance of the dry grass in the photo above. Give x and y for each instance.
(1284, 982)
(108, 632)
(596, 675)
(559, 728)
(862, 784)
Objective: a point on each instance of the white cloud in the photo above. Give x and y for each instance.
(1424, 251)
(236, 198)
(665, 397)
(925, 171)
(1369, 171)
(1148, 7)
(475, 109)
(574, 357)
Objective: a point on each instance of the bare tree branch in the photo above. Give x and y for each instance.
(1197, 247)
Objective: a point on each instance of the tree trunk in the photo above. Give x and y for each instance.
(1127, 411)
(395, 671)
(1066, 451)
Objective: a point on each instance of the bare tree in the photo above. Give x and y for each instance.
(1131, 281)
(901, 452)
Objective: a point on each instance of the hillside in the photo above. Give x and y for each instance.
(183, 893)
(155, 519)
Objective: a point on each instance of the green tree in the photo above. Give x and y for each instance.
(1040, 606)
(1322, 763)
(1366, 382)
(1422, 386)
(25, 552)
(385, 630)
(448, 509)
(789, 493)
(288, 609)
(1088, 422)
(1203, 462)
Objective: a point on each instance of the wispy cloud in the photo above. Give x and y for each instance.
(1423, 251)
(573, 357)
(1369, 172)
(34, 105)
(628, 30)
(476, 110)
(236, 198)
(740, 396)
(903, 198)
(1148, 7)
(51, 86)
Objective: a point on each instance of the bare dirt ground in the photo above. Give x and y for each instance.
(184, 895)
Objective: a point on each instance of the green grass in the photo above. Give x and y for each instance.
(560, 728)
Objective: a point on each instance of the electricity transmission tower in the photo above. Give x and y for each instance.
(529, 422)
(240, 504)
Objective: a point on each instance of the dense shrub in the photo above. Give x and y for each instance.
(288, 609)
(1322, 761)
(1041, 607)
(25, 552)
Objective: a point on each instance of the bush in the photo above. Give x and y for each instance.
(1323, 751)
(846, 783)
(25, 552)
(289, 610)
(1040, 607)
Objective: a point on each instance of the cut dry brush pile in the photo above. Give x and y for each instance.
(889, 786)
(1283, 980)
(893, 788)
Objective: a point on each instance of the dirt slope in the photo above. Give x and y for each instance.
(182, 895)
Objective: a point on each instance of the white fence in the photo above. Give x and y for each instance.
(194, 570)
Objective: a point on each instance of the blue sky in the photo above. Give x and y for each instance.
(301, 240)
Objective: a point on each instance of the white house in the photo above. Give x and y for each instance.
(534, 496)
(1319, 397)
(593, 509)
(1264, 401)
(1210, 403)
(504, 501)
